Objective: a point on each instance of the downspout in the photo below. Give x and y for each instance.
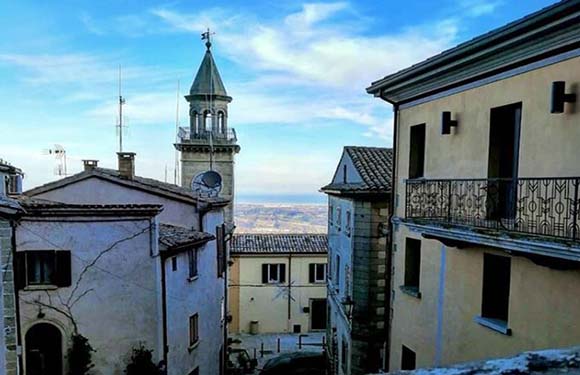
(289, 291)
(16, 298)
(162, 258)
(389, 257)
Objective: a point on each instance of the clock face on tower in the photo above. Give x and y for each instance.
(208, 184)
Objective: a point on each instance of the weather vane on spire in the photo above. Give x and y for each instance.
(207, 36)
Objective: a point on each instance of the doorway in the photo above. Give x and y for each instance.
(504, 148)
(43, 350)
(317, 314)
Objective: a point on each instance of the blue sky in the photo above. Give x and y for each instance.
(296, 71)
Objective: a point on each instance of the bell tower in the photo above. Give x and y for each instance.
(208, 144)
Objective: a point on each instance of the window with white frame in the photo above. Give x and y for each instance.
(273, 273)
(317, 272)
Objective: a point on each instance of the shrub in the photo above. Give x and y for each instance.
(142, 363)
(80, 355)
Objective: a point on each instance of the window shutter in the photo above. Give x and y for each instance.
(282, 273)
(20, 277)
(264, 273)
(63, 277)
(311, 271)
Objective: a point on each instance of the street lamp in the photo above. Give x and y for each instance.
(348, 304)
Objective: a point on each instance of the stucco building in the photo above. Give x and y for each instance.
(486, 194)
(358, 212)
(186, 271)
(277, 283)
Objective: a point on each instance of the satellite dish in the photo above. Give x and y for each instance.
(207, 183)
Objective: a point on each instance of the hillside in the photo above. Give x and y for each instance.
(281, 218)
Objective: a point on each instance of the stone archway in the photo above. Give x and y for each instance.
(43, 343)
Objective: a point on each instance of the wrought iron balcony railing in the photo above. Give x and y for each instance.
(538, 206)
(185, 136)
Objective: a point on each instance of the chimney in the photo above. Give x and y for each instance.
(90, 164)
(126, 164)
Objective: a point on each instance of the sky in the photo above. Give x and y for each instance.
(297, 72)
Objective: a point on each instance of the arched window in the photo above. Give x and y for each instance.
(222, 122)
(195, 122)
(207, 121)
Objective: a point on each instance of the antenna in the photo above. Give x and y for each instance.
(120, 124)
(165, 173)
(176, 166)
(59, 154)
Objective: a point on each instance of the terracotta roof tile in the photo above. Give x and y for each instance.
(279, 243)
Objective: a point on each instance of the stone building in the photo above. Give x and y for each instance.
(10, 211)
(209, 143)
(485, 243)
(278, 283)
(358, 281)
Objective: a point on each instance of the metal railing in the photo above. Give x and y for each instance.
(540, 206)
(186, 136)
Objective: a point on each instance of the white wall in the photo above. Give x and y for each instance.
(99, 191)
(203, 295)
(339, 243)
(120, 307)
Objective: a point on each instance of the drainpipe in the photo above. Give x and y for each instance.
(389, 257)
(290, 292)
(162, 258)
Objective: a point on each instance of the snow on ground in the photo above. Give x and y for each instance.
(553, 361)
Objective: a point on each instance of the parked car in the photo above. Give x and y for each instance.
(301, 363)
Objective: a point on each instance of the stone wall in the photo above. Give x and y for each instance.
(8, 357)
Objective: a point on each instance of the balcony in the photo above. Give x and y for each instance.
(546, 207)
(216, 137)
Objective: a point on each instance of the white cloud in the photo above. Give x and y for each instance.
(477, 8)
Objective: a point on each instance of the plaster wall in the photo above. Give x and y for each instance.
(98, 191)
(440, 325)
(202, 295)
(268, 303)
(118, 296)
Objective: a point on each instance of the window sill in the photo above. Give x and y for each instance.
(192, 279)
(411, 291)
(193, 346)
(494, 324)
(40, 287)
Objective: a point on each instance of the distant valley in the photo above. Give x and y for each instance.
(280, 218)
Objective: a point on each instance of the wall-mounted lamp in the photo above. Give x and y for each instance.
(348, 304)
(447, 123)
(559, 97)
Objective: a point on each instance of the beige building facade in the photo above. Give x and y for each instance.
(277, 283)
(485, 243)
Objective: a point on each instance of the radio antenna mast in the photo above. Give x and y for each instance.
(121, 103)
(176, 166)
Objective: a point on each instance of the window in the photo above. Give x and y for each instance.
(347, 225)
(496, 288)
(273, 273)
(412, 266)
(338, 218)
(193, 329)
(174, 264)
(330, 214)
(317, 272)
(344, 355)
(408, 359)
(45, 267)
(344, 174)
(192, 257)
(222, 259)
(417, 151)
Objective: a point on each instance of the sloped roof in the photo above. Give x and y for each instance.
(142, 183)
(208, 80)
(373, 164)
(173, 236)
(279, 243)
(43, 207)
